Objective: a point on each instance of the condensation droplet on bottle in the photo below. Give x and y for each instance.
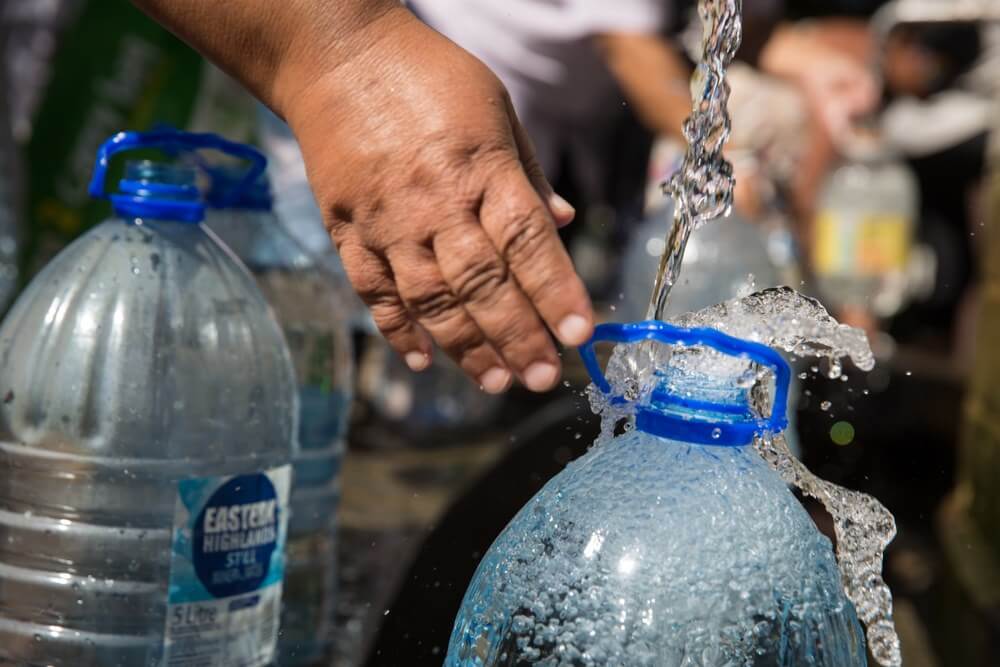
(716, 433)
(825, 405)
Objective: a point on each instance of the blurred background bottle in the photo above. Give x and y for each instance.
(306, 298)
(724, 259)
(864, 230)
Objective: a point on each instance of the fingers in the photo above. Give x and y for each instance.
(432, 303)
(485, 286)
(373, 280)
(561, 210)
(518, 224)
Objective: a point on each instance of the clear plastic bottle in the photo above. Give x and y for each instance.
(724, 259)
(306, 299)
(864, 230)
(671, 544)
(146, 438)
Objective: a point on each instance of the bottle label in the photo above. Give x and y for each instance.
(873, 246)
(226, 570)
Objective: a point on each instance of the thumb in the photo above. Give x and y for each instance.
(562, 211)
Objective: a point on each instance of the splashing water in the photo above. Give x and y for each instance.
(781, 317)
(703, 187)
(785, 319)
(864, 528)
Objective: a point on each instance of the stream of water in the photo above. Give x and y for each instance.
(703, 191)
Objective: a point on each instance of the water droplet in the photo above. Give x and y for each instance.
(825, 405)
(716, 433)
(136, 271)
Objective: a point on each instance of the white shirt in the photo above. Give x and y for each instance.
(543, 52)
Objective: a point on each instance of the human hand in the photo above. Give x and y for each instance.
(429, 187)
(838, 87)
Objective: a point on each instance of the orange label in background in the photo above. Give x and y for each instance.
(883, 244)
(876, 245)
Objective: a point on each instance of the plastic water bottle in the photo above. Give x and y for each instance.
(146, 438)
(864, 231)
(671, 543)
(724, 259)
(306, 300)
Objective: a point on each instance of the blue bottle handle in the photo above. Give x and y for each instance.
(173, 141)
(728, 432)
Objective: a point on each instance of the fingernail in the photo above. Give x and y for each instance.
(574, 330)
(561, 206)
(541, 376)
(417, 361)
(495, 380)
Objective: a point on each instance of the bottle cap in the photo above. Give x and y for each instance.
(678, 417)
(162, 193)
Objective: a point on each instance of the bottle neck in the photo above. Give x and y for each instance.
(159, 191)
(700, 410)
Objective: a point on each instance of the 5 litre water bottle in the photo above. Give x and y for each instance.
(306, 300)
(672, 543)
(146, 435)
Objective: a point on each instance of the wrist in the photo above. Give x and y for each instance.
(327, 41)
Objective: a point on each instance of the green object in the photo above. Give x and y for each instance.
(842, 433)
(115, 69)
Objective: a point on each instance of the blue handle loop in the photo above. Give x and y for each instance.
(739, 427)
(171, 142)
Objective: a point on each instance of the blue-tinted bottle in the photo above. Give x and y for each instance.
(307, 301)
(670, 544)
(146, 438)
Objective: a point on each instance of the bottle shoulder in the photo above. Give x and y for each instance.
(141, 337)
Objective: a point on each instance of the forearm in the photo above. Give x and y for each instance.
(654, 78)
(273, 47)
